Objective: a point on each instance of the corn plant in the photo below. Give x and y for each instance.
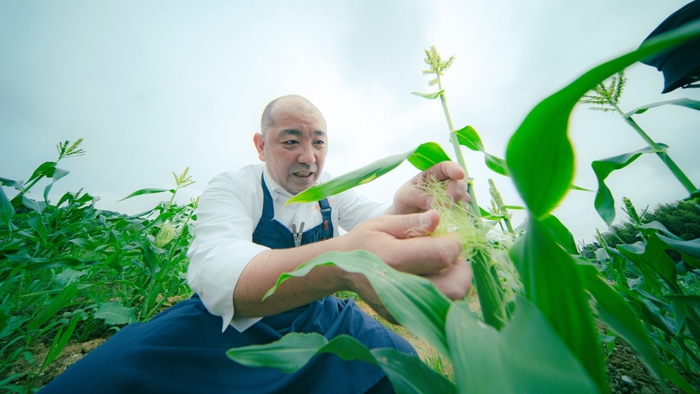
(71, 271)
(549, 342)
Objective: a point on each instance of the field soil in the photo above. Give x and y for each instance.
(627, 375)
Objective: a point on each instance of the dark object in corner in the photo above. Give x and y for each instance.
(681, 65)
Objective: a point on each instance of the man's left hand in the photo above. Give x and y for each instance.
(410, 198)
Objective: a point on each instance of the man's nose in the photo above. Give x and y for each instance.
(306, 156)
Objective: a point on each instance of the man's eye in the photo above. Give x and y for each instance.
(319, 142)
(291, 142)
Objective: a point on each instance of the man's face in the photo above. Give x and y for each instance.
(295, 148)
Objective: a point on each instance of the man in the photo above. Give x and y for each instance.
(243, 242)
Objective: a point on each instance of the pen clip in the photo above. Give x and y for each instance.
(297, 235)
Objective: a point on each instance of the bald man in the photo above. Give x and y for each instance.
(244, 240)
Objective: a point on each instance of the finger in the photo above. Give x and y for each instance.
(445, 170)
(422, 255)
(455, 281)
(458, 190)
(409, 225)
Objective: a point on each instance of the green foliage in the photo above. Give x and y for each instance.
(562, 293)
(69, 270)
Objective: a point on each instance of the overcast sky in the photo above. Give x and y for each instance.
(156, 86)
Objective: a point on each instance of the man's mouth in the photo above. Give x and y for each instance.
(303, 174)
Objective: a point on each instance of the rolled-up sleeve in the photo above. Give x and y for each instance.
(223, 246)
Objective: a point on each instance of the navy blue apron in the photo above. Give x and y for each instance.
(182, 350)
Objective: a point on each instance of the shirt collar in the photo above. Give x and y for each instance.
(275, 189)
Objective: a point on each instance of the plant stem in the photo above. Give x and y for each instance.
(458, 152)
(488, 288)
(661, 152)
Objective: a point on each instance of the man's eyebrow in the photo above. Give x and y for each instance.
(298, 133)
(294, 132)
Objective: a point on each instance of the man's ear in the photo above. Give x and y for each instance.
(259, 145)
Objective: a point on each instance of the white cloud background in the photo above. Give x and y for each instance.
(156, 86)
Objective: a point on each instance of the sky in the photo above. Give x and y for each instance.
(154, 87)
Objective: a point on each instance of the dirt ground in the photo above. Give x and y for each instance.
(626, 373)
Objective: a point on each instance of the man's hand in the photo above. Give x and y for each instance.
(411, 199)
(400, 241)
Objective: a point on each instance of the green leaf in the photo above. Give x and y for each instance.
(429, 96)
(468, 137)
(58, 302)
(540, 157)
(653, 255)
(60, 341)
(496, 164)
(37, 224)
(423, 157)
(687, 299)
(144, 191)
(683, 102)
(45, 169)
(560, 234)
(604, 201)
(68, 276)
(412, 300)
(551, 282)
(527, 356)
(34, 205)
(617, 314)
(694, 196)
(6, 209)
(427, 155)
(406, 373)
(686, 248)
(12, 183)
(59, 262)
(490, 216)
(114, 314)
(678, 379)
(58, 174)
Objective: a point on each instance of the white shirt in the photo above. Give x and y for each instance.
(228, 212)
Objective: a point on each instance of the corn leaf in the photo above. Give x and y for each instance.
(37, 224)
(539, 156)
(653, 255)
(57, 174)
(45, 169)
(406, 373)
(560, 234)
(686, 248)
(604, 201)
(423, 157)
(58, 302)
(526, 356)
(683, 102)
(412, 300)
(617, 314)
(12, 183)
(429, 96)
(688, 299)
(6, 209)
(553, 285)
(468, 137)
(145, 191)
(678, 379)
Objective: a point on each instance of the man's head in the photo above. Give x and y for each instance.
(292, 142)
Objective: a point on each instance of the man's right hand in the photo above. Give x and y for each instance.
(401, 242)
